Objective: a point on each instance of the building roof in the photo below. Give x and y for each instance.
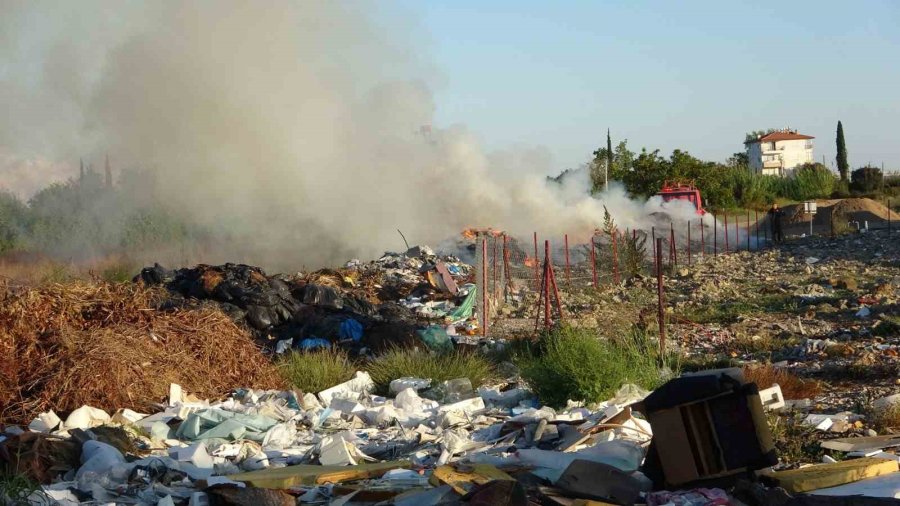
(781, 136)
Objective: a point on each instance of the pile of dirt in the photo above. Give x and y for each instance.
(109, 345)
(853, 209)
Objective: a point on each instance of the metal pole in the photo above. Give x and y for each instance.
(615, 255)
(748, 230)
(506, 279)
(661, 299)
(547, 284)
(594, 261)
(756, 219)
(737, 228)
(702, 239)
(689, 243)
(568, 279)
(536, 275)
(715, 237)
(484, 297)
(726, 232)
(673, 248)
(653, 244)
(494, 263)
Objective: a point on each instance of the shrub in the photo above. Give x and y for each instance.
(576, 364)
(792, 387)
(316, 370)
(401, 362)
(810, 181)
(866, 179)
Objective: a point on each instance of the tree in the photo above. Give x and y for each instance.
(866, 179)
(619, 162)
(741, 159)
(609, 155)
(843, 166)
(810, 181)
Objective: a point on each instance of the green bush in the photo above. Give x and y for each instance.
(401, 362)
(810, 181)
(866, 179)
(13, 221)
(316, 370)
(576, 364)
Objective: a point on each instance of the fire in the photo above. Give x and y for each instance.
(472, 232)
(531, 261)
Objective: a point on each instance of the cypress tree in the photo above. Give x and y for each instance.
(609, 152)
(843, 166)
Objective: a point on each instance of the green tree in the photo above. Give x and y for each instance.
(843, 166)
(810, 181)
(866, 179)
(609, 152)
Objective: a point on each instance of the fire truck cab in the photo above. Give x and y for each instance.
(682, 190)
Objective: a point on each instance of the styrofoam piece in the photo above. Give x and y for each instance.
(468, 406)
(772, 398)
(360, 385)
(195, 454)
(85, 417)
(45, 422)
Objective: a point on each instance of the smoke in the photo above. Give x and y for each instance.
(293, 129)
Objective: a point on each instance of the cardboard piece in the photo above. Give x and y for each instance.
(830, 475)
(307, 474)
(464, 478)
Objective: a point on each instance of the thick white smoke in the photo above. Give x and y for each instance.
(294, 128)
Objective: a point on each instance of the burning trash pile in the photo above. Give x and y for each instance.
(364, 306)
(700, 439)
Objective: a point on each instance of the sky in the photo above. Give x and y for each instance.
(694, 75)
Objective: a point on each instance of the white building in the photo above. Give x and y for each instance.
(778, 153)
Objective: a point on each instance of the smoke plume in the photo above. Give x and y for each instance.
(301, 131)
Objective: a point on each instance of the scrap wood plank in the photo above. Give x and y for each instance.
(855, 444)
(465, 479)
(307, 474)
(830, 475)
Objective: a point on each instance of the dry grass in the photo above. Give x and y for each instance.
(792, 387)
(102, 344)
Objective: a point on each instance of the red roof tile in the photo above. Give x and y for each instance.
(781, 136)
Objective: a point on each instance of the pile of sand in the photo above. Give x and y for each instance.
(852, 209)
(106, 345)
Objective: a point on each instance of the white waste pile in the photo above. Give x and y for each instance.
(191, 445)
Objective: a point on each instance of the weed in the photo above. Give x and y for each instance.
(576, 364)
(885, 420)
(796, 442)
(887, 326)
(792, 387)
(317, 370)
(401, 362)
(17, 489)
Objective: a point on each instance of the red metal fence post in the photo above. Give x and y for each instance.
(594, 262)
(484, 297)
(547, 284)
(673, 246)
(756, 222)
(702, 239)
(660, 299)
(615, 257)
(494, 263)
(715, 237)
(689, 243)
(568, 279)
(748, 230)
(536, 263)
(726, 232)
(653, 244)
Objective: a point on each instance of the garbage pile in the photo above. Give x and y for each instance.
(700, 439)
(371, 305)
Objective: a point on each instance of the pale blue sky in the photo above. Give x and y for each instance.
(694, 75)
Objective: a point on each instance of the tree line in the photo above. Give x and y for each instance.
(732, 184)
